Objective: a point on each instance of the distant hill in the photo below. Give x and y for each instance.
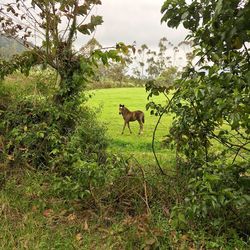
(9, 47)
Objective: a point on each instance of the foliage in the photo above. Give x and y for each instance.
(36, 132)
(161, 61)
(55, 133)
(34, 216)
(210, 106)
(43, 20)
(91, 197)
(167, 77)
(109, 73)
(137, 65)
(42, 131)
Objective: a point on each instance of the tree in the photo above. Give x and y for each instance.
(211, 106)
(115, 71)
(221, 76)
(151, 63)
(54, 24)
(49, 28)
(167, 77)
(141, 52)
(159, 61)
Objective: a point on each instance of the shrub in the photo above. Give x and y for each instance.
(215, 200)
(65, 139)
(39, 133)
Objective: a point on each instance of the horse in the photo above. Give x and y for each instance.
(130, 116)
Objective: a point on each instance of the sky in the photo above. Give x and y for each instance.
(131, 20)
(134, 20)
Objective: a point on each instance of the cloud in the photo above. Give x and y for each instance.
(134, 20)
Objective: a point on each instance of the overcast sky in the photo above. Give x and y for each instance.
(134, 20)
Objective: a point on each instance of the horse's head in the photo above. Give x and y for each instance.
(121, 108)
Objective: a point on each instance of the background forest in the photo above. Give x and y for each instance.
(70, 180)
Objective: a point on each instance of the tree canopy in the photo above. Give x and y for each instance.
(210, 105)
(216, 88)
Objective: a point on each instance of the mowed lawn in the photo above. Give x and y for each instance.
(107, 102)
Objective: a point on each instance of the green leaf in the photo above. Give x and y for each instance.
(96, 20)
(218, 7)
(84, 29)
(82, 9)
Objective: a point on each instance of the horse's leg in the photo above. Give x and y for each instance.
(124, 127)
(141, 127)
(129, 128)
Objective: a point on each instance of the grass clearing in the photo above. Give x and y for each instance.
(140, 146)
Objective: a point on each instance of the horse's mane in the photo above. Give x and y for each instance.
(125, 108)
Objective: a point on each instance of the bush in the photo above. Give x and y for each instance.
(38, 133)
(64, 139)
(215, 201)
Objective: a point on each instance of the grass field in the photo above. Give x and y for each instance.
(107, 102)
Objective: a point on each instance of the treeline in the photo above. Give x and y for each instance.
(163, 64)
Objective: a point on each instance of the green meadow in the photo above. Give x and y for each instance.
(106, 102)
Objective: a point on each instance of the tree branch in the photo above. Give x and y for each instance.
(73, 26)
(156, 126)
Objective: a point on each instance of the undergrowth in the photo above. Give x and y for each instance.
(61, 189)
(132, 211)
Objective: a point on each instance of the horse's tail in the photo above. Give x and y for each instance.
(143, 120)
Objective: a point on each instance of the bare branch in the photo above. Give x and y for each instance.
(85, 18)
(31, 15)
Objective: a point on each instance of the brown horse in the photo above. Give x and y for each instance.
(129, 116)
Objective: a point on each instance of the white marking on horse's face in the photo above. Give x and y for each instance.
(120, 110)
(121, 107)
